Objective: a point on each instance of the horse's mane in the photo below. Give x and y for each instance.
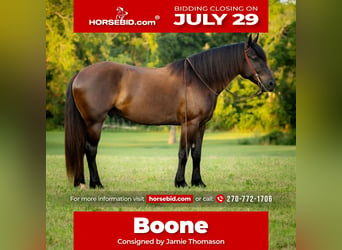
(216, 65)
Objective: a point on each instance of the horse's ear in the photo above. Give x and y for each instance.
(249, 42)
(256, 38)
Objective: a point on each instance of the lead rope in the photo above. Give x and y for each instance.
(199, 77)
(243, 98)
(186, 111)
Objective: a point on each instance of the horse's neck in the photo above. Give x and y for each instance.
(234, 67)
(223, 85)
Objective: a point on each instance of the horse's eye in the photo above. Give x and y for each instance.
(254, 57)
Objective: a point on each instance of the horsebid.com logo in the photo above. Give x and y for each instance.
(120, 20)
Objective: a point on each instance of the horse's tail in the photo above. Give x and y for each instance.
(74, 137)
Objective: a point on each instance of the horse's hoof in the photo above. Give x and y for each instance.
(180, 184)
(96, 185)
(198, 183)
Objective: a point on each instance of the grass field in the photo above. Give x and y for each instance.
(132, 163)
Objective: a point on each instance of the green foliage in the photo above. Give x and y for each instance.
(173, 46)
(277, 137)
(280, 44)
(93, 47)
(61, 59)
(225, 114)
(220, 39)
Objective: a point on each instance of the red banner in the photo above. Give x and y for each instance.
(171, 230)
(171, 16)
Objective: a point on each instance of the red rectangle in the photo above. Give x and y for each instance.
(171, 16)
(171, 230)
(169, 198)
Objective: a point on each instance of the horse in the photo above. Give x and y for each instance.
(121, 13)
(182, 93)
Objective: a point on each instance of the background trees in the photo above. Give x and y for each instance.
(68, 52)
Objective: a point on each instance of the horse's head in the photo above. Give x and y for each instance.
(121, 11)
(255, 66)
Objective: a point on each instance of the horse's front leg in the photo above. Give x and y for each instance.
(182, 157)
(196, 151)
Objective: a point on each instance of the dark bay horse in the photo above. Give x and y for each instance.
(181, 93)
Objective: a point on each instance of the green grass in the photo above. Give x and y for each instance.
(134, 162)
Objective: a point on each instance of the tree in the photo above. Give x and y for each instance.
(173, 46)
(281, 47)
(61, 59)
(220, 39)
(172, 135)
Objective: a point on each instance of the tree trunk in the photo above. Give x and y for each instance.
(172, 135)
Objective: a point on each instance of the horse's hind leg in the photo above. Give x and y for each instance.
(93, 137)
(79, 178)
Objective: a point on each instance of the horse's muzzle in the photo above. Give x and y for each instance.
(269, 86)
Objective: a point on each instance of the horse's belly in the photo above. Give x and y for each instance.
(151, 114)
(149, 97)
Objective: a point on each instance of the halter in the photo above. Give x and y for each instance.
(260, 85)
(259, 82)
